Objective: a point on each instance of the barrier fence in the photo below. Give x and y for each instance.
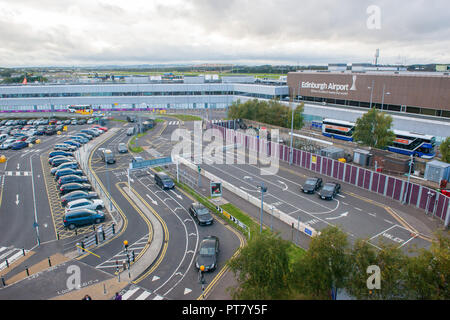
(432, 202)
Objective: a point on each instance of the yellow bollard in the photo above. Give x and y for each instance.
(38, 141)
(2, 159)
(30, 145)
(58, 133)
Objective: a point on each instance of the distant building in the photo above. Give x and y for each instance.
(442, 67)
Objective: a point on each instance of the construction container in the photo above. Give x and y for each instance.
(332, 152)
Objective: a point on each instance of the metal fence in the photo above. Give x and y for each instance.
(432, 202)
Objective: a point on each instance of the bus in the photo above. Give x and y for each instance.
(412, 143)
(80, 109)
(405, 142)
(338, 129)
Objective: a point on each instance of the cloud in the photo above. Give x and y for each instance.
(68, 32)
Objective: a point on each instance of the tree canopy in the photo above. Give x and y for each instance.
(373, 129)
(445, 150)
(271, 112)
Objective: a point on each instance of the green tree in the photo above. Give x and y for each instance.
(428, 273)
(445, 150)
(262, 269)
(325, 265)
(373, 129)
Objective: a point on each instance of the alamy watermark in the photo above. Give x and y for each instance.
(211, 147)
(373, 21)
(374, 280)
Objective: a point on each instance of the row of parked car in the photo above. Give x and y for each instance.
(45, 121)
(82, 205)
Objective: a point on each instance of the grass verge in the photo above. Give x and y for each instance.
(185, 117)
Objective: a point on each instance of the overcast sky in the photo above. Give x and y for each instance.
(100, 32)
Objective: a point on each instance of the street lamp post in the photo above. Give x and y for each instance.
(371, 94)
(382, 100)
(263, 189)
(409, 176)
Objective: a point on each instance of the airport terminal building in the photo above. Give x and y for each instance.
(406, 92)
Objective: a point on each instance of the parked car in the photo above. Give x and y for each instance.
(54, 162)
(64, 147)
(73, 143)
(31, 139)
(207, 254)
(19, 145)
(74, 122)
(7, 143)
(100, 127)
(200, 214)
(122, 148)
(65, 165)
(69, 187)
(81, 121)
(75, 195)
(60, 153)
(84, 135)
(68, 171)
(311, 185)
(72, 178)
(329, 190)
(164, 181)
(95, 204)
(81, 217)
(50, 131)
(79, 139)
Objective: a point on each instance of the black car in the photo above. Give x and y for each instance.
(71, 178)
(50, 131)
(207, 254)
(75, 195)
(201, 214)
(60, 153)
(312, 185)
(69, 187)
(329, 190)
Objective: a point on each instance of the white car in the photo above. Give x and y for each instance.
(7, 143)
(94, 204)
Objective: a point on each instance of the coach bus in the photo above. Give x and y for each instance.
(405, 142)
(81, 109)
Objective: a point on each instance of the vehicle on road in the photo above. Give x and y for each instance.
(71, 178)
(67, 171)
(19, 145)
(311, 185)
(164, 181)
(207, 254)
(75, 195)
(81, 217)
(69, 187)
(130, 131)
(329, 190)
(107, 156)
(201, 214)
(122, 148)
(94, 204)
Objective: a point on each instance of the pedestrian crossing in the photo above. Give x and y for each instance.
(173, 123)
(137, 293)
(8, 255)
(18, 173)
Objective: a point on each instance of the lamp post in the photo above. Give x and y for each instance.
(409, 176)
(382, 100)
(263, 189)
(371, 93)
